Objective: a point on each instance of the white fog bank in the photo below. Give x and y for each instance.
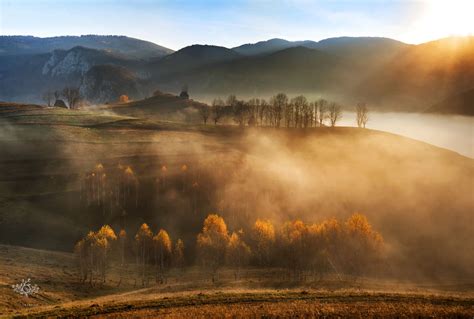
(453, 132)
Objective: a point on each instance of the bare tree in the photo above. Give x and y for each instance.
(301, 104)
(240, 112)
(217, 110)
(204, 112)
(72, 96)
(362, 113)
(48, 97)
(322, 111)
(279, 103)
(335, 113)
(262, 111)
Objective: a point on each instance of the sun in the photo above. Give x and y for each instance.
(441, 18)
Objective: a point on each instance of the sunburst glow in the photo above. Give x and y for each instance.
(440, 18)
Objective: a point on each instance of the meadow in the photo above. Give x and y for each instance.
(412, 193)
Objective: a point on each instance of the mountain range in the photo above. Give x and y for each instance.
(385, 73)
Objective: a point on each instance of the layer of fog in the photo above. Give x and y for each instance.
(453, 132)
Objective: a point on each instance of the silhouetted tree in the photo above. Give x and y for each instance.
(204, 112)
(48, 97)
(335, 113)
(279, 103)
(217, 110)
(322, 111)
(72, 96)
(362, 114)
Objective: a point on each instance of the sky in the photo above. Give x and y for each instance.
(176, 24)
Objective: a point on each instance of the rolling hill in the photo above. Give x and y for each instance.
(48, 152)
(297, 69)
(190, 58)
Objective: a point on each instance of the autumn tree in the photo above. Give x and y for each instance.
(238, 253)
(294, 247)
(364, 245)
(263, 235)
(333, 236)
(178, 254)
(335, 113)
(162, 251)
(362, 114)
(93, 251)
(107, 236)
(144, 242)
(212, 242)
(123, 245)
(124, 98)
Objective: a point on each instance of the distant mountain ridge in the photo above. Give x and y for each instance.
(131, 47)
(385, 73)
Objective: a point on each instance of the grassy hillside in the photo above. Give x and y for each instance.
(190, 293)
(404, 187)
(161, 106)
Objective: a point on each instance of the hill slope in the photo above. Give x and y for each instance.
(424, 74)
(189, 294)
(330, 171)
(191, 57)
(294, 69)
(462, 103)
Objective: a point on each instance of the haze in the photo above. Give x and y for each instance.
(176, 24)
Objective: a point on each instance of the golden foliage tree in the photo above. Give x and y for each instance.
(263, 234)
(212, 243)
(178, 254)
(144, 241)
(124, 98)
(162, 252)
(363, 245)
(92, 252)
(238, 252)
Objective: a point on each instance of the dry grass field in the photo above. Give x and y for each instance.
(189, 293)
